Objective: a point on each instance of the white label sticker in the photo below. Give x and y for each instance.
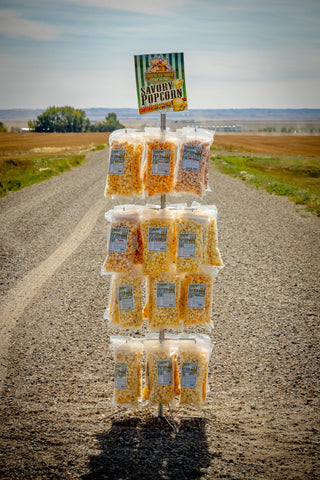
(117, 161)
(125, 294)
(120, 376)
(197, 295)
(164, 372)
(166, 295)
(191, 158)
(157, 239)
(161, 160)
(189, 374)
(187, 245)
(118, 240)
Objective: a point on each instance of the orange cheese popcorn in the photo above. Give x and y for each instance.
(163, 301)
(157, 236)
(124, 174)
(125, 306)
(162, 376)
(189, 234)
(158, 171)
(194, 361)
(122, 243)
(196, 299)
(127, 376)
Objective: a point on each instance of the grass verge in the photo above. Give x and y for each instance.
(295, 178)
(21, 172)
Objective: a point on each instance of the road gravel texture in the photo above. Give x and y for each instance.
(261, 420)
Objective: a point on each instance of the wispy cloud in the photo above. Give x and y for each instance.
(12, 24)
(163, 7)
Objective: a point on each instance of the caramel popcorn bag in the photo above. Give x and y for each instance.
(194, 363)
(157, 237)
(192, 166)
(126, 303)
(125, 159)
(124, 249)
(127, 372)
(162, 377)
(159, 162)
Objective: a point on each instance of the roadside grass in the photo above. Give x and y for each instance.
(16, 173)
(296, 178)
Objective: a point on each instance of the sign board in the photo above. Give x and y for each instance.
(160, 82)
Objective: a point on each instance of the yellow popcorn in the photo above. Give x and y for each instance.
(158, 171)
(194, 361)
(189, 233)
(196, 299)
(178, 82)
(157, 236)
(179, 104)
(125, 157)
(125, 306)
(162, 375)
(212, 256)
(163, 301)
(127, 373)
(122, 244)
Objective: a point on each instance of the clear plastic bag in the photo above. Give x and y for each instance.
(194, 361)
(192, 166)
(126, 301)
(128, 372)
(124, 250)
(189, 233)
(125, 160)
(162, 383)
(159, 162)
(157, 236)
(162, 310)
(196, 296)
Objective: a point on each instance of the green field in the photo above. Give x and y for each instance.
(295, 178)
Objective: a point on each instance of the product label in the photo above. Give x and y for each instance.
(120, 376)
(189, 374)
(161, 160)
(160, 82)
(157, 239)
(191, 158)
(187, 245)
(118, 240)
(166, 295)
(117, 161)
(126, 297)
(164, 372)
(196, 295)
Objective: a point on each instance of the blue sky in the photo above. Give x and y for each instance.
(238, 53)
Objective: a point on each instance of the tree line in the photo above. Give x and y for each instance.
(68, 119)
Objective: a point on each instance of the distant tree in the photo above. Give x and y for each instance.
(3, 128)
(61, 119)
(109, 124)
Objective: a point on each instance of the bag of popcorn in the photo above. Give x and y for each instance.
(127, 372)
(162, 377)
(125, 159)
(192, 166)
(159, 161)
(194, 355)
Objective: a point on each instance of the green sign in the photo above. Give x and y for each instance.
(160, 82)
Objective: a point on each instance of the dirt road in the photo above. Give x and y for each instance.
(262, 417)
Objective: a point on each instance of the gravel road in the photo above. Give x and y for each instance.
(262, 416)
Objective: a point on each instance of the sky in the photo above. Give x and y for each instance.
(237, 53)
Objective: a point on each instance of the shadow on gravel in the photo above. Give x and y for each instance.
(135, 449)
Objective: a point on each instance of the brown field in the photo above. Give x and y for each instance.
(275, 144)
(18, 144)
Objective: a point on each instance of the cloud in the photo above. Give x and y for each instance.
(12, 24)
(163, 7)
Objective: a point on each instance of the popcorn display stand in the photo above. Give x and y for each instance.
(163, 259)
